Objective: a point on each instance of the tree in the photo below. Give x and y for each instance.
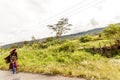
(61, 27)
(33, 38)
(112, 31)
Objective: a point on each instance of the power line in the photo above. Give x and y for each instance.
(86, 7)
(82, 8)
(78, 8)
(69, 10)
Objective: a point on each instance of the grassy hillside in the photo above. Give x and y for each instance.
(67, 58)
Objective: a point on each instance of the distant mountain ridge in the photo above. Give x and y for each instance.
(92, 31)
(70, 36)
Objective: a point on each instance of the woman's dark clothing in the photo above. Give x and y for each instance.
(11, 64)
(12, 53)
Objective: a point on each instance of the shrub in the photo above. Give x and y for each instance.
(86, 38)
(39, 45)
(97, 37)
(67, 47)
(54, 42)
(49, 39)
(43, 45)
(112, 31)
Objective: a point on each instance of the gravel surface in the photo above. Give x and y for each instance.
(7, 75)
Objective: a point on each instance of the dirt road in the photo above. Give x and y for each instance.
(7, 75)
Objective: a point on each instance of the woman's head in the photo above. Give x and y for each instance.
(14, 49)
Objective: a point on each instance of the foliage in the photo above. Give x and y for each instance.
(49, 39)
(112, 31)
(61, 27)
(39, 45)
(69, 47)
(86, 38)
(51, 43)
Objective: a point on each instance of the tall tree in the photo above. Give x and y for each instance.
(61, 27)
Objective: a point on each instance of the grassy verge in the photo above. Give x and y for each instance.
(59, 60)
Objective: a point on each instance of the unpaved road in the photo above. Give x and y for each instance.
(7, 75)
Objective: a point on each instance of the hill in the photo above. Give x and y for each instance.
(71, 36)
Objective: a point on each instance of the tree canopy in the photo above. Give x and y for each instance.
(113, 31)
(61, 27)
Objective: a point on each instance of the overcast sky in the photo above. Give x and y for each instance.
(20, 19)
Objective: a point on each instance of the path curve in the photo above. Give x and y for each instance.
(7, 75)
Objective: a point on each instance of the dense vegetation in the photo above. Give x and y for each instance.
(69, 57)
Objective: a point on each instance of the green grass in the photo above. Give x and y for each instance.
(61, 59)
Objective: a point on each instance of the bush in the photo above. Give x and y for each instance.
(43, 45)
(86, 38)
(49, 39)
(67, 47)
(56, 41)
(112, 31)
(97, 37)
(39, 45)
